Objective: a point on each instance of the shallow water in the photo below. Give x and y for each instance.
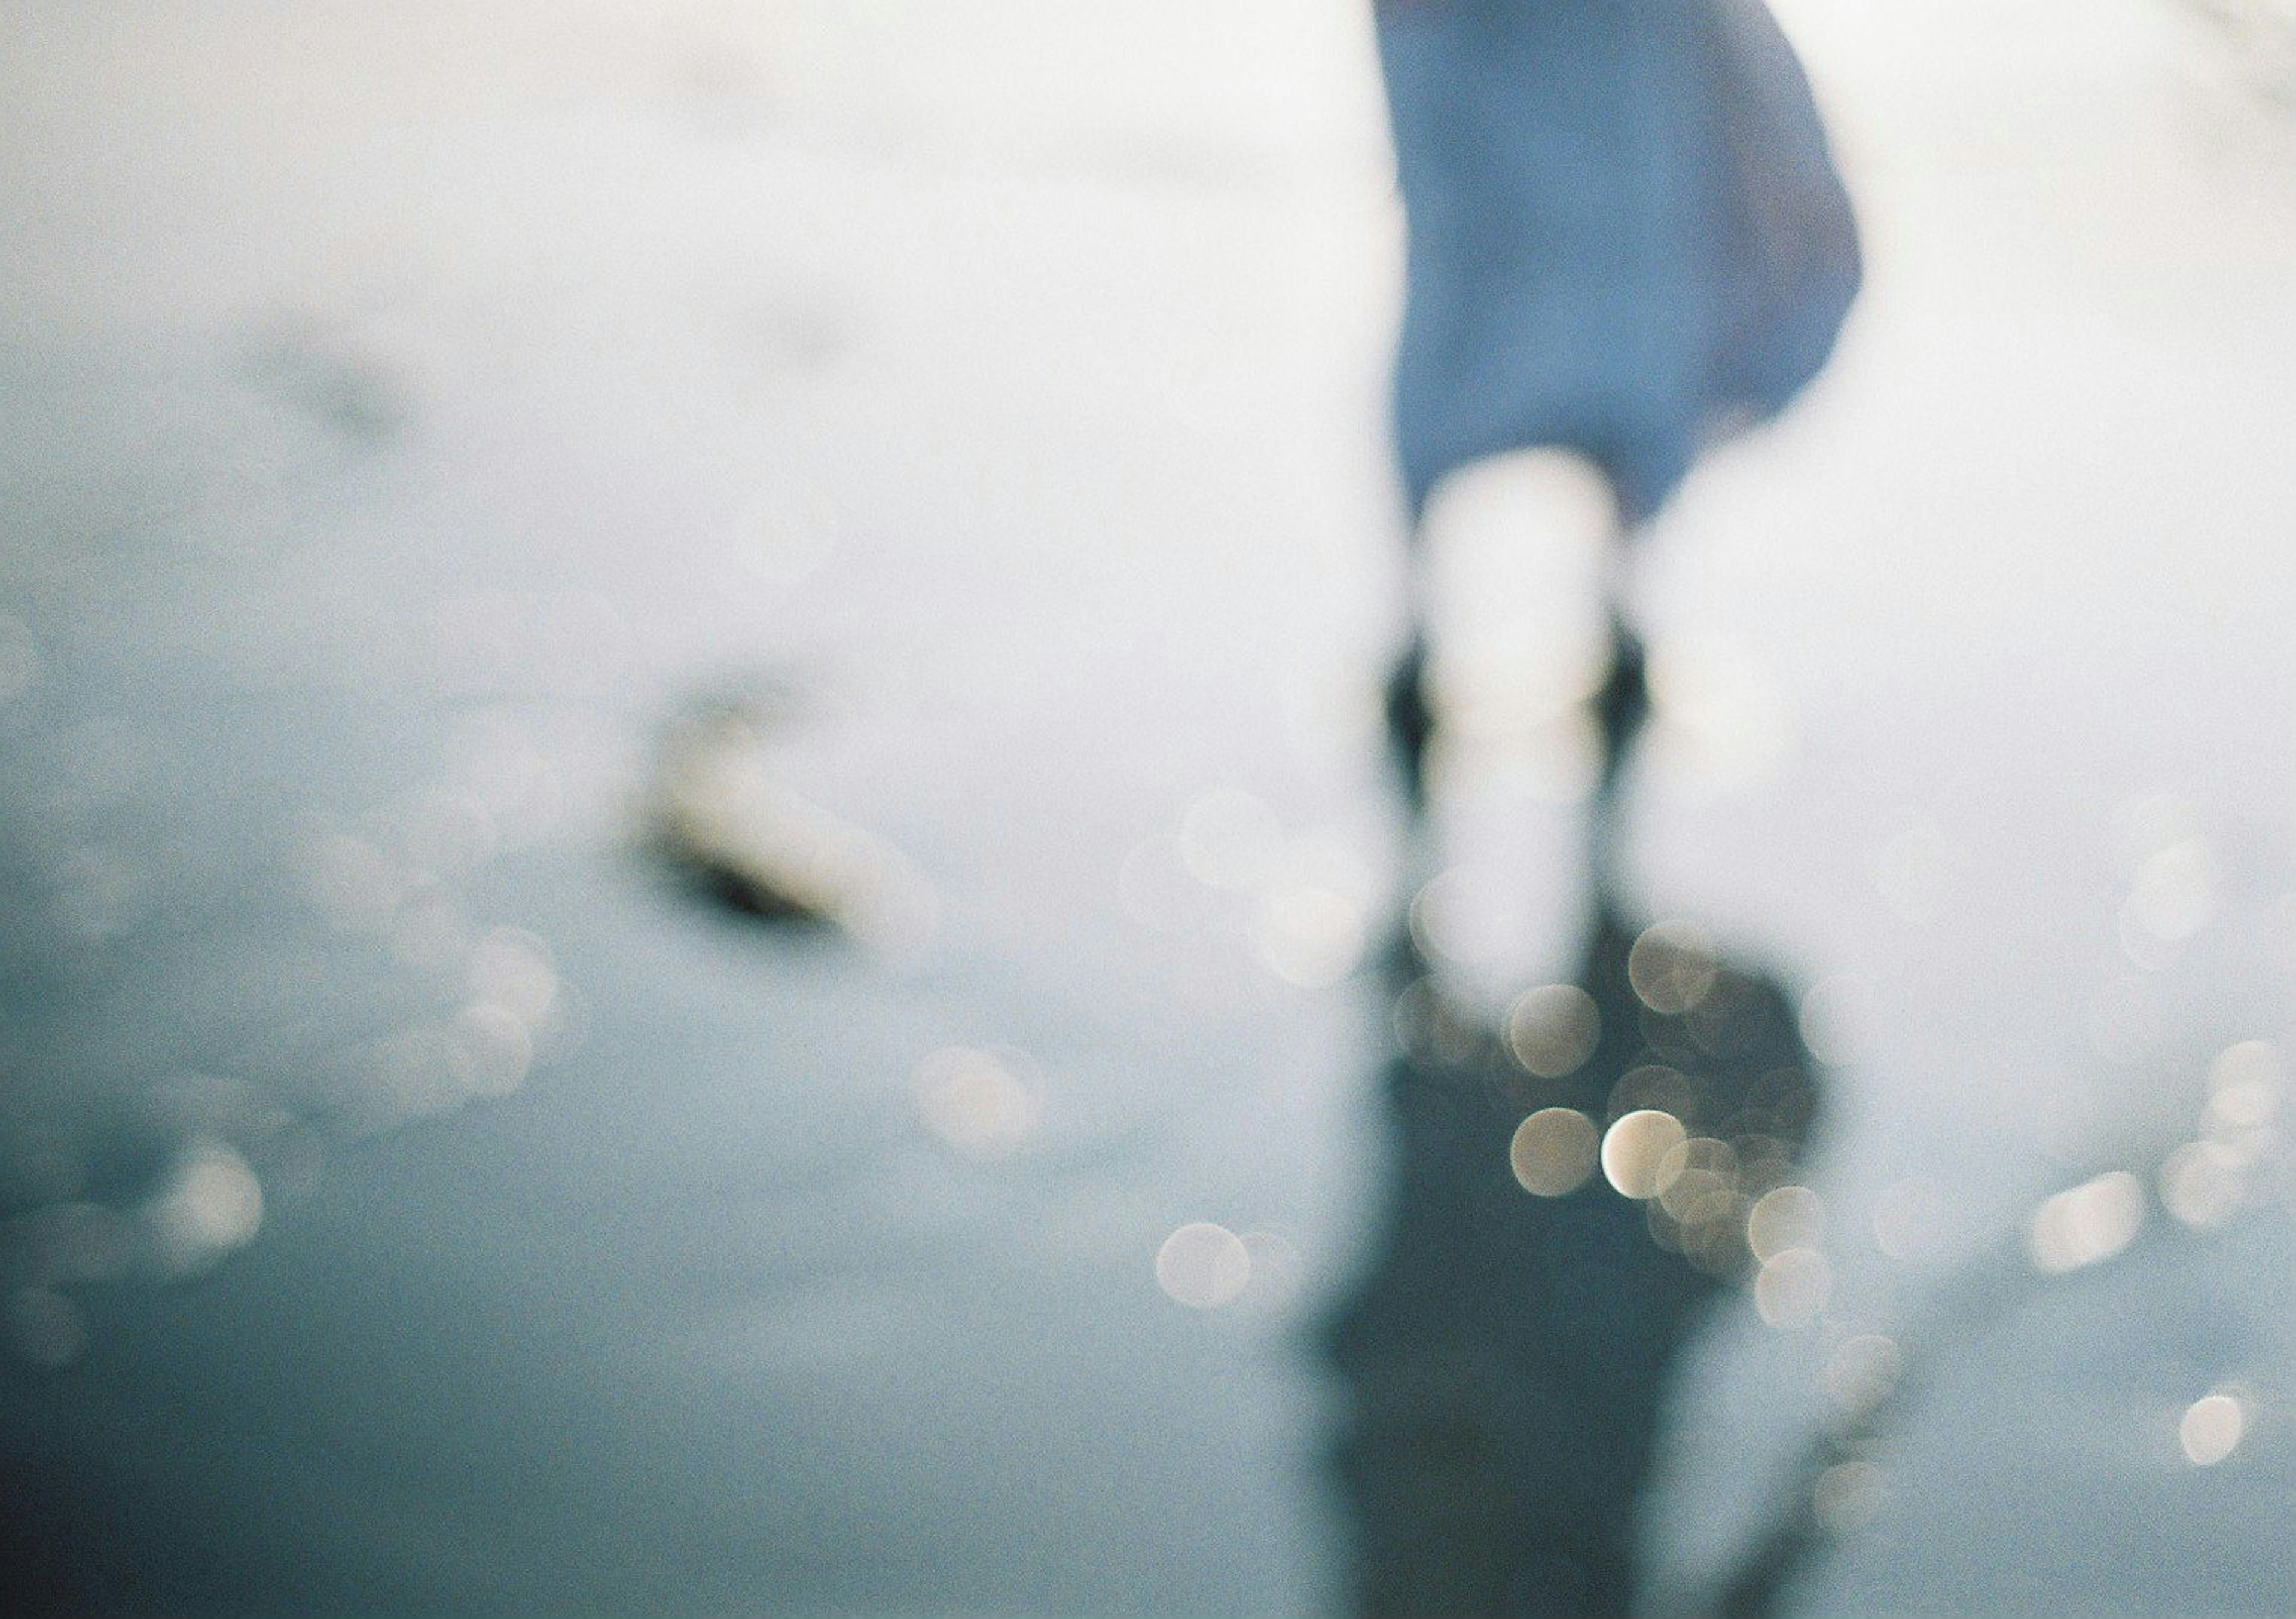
(403, 421)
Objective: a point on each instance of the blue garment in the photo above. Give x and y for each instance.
(1626, 232)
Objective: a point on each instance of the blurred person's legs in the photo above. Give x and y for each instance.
(1511, 711)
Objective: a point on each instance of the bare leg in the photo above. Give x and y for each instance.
(1620, 703)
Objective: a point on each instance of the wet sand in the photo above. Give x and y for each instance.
(403, 424)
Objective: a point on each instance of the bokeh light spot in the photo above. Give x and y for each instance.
(1635, 1147)
(2246, 1084)
(2087, 1223)
(1466, 914)
(1203, 1265)
(1552, 1030)
(1554, 1151)
(2173, 898)
(210, 1204)
(1792, 1287)
(975, 1102)
(2201, 1185)
(1672, 966)
(1653, 1085)
(2211, 1428)
(512, 969)
(1784, 1217)
(1698, 1181)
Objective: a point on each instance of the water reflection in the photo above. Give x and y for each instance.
(1506, 1353)
(718, 1113)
